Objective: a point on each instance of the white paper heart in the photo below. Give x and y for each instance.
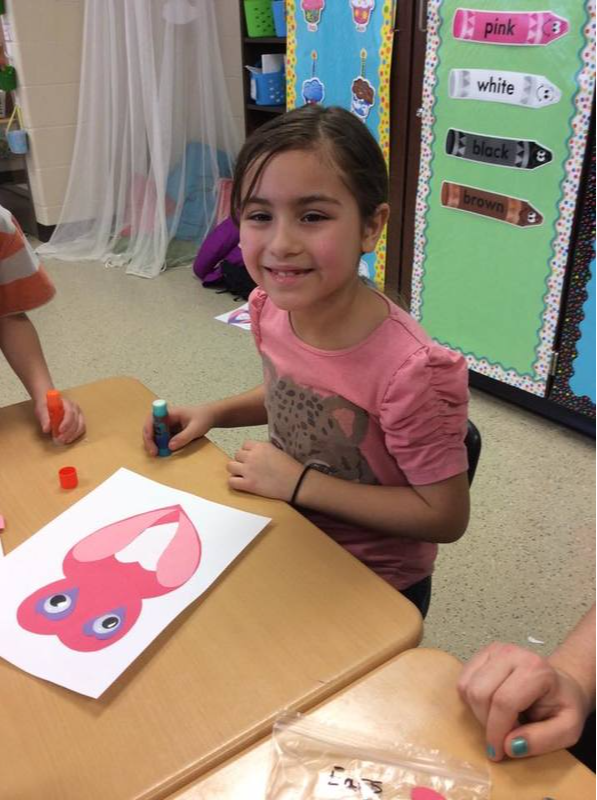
(147, 548)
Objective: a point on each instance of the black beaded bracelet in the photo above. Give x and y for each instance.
(300, 481)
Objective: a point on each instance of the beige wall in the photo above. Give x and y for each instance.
(45, 48)
(227, 13)
(46, 51)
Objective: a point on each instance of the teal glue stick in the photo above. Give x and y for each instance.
(161, 427)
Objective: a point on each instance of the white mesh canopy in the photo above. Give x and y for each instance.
(154, 136)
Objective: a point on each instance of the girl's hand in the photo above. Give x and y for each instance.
(261, 468)
(503, 681)
(190, 422)
(73, 422)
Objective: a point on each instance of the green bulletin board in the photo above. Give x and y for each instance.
(505, 121)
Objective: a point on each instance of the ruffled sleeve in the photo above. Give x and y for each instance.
(424, 415)
(257, 300)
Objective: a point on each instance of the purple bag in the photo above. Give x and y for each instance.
(221, 244)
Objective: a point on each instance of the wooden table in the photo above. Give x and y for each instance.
(292, 621)
(411, 698)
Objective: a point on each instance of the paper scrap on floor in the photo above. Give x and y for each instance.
(239, 317)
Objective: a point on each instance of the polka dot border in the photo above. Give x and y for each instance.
(290, 54)
(584, 255)
(383, 130)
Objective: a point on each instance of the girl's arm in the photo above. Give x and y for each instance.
(240, 411)
(438, 512)
(435, 513)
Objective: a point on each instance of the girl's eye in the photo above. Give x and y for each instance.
(258, 216)
(314, 216)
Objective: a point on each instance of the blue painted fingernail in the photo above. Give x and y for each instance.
(490, 751)
(519, 747)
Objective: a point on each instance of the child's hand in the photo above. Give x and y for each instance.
(72, 425)
(502, 682)
(261, 468)
(190, 422)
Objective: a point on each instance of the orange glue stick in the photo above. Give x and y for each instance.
(55, 410)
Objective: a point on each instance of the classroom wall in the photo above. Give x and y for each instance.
(46, 52)
(45, 48)
(227, 13)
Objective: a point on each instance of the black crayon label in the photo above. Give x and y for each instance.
(501, 152)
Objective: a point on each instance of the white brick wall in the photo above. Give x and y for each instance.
(227, 14)
(46, 52)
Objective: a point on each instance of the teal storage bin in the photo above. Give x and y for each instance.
(269, 89)
(279, 12)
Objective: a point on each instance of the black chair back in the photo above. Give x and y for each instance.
(473, 448)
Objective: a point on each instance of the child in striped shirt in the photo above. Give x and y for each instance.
(24, 286)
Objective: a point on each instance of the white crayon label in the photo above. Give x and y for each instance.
(501, 86)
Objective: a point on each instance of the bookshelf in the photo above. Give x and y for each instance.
(251, 50)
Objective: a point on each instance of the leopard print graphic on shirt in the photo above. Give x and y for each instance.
(313, 428)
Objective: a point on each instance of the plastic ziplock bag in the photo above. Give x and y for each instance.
(314, 761)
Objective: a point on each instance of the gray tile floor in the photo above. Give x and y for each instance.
(525, 567)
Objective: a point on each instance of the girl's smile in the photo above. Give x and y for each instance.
(287, 277)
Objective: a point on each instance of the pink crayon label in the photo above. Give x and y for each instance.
(508, 27)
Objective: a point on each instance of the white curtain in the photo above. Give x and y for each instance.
(155, 135)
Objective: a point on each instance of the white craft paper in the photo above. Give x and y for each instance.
(239, 317)
(223, 531)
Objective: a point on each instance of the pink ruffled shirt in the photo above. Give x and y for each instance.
(391, 410)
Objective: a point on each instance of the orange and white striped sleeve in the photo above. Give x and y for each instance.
(24, 283)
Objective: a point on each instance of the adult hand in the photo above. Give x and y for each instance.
(190, 422)
(261, 468)
(503, 681)
(73, 422)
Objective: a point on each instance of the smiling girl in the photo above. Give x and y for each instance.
(366, 414)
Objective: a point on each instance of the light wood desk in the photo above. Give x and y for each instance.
(412, 698)
(292, 621)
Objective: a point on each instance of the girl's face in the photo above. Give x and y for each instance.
(301, 231)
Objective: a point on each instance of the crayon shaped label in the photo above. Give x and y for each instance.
(508, 27)
(498, 151)
(502, 86)
(488, 204)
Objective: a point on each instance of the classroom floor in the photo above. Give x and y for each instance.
(525, 569)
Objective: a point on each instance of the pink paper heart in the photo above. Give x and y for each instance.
(422, 793)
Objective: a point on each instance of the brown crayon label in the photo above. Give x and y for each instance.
(512, 210)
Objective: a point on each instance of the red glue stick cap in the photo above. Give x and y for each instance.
(68, 477)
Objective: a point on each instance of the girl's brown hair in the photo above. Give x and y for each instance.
(332, 131)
